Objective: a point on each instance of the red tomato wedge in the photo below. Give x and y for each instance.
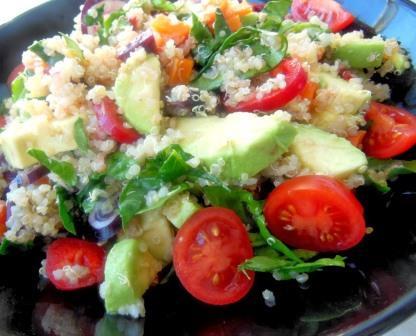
(206, 253)
(329, 11)
(316, 213)
(3, 218)
(392, 131)
(14, 73)
(296, 79)
(73, 263)
(112, 123)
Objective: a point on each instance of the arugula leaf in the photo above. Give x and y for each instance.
(284, 268)
(38, 48)
(5, 243)
(163, 5)
(73, 47)
(379, 172)
(64, 213)
(84, 196)
(277, 8)
(118, 164)
(199, 31)
(64, 170)
(80, 136)
(240, 201)
(103, 25)
(245, 36)
(18, 88)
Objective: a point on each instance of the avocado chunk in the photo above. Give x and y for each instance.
(178, 209)
(240, 144)
(155, 231)
(137, 92)
(361, 54)
(129, 271)
(51, 136)
(326, 153)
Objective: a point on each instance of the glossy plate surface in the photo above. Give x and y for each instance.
(375, 292)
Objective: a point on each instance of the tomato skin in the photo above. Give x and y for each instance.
(392, 131)
(112, 123)
(14, 73)
(206, 253)
(329, 11)
(72, 251)
(296, 79)
(316, 213)
(3, 218)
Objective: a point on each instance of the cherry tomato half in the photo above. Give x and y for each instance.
(73, 263)
(392, 131)
(3, 218)
(112, 123)
(316, 213)
(296, 79)
(206, 253)
(329, 11)
(14, 73)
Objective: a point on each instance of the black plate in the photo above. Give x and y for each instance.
(374, 293)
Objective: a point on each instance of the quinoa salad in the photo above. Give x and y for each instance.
(209, 139)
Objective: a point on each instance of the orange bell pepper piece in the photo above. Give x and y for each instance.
(165, 29)
(180, 71)
(357, 139)
(309, 92)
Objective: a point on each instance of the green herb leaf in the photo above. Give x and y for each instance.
(285, 269)
(5, 243)
(38, 48)
(256, 240)
(80, 135)
(64, 170)
(379, 172)
(85, 196)
(163, 5)
(118, 164)
(63, 199)
(73, 46)
(276, 11)
(18, 88)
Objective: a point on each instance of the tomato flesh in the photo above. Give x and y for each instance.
(316, 213)
(112, 123)
(392, 131)
(14, 73)
(65, 254)
(328, 11)
(207, 251)
(3, 218)
(296, 79)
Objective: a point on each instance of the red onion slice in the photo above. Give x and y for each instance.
(104, 220)
(145, 40)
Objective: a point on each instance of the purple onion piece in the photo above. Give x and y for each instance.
(193, 105)
(104, 220)
(144, 39)
(28, 177)
(9, 209)
(9, 175)
(109, 7)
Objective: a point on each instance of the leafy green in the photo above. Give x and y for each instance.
(168, 170)
(284, 268)
(245, 36)
(38, 48)
(243, 203)
(64, 170)
(63, 199)
(256, 240)
(18, 88)
(118, 164)
(103, 24)
(85, 196)
(80, 136)
(207, 43)
(5, 243)
(163, 5)
(276, 11)
(73, 47)
(379, 172)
